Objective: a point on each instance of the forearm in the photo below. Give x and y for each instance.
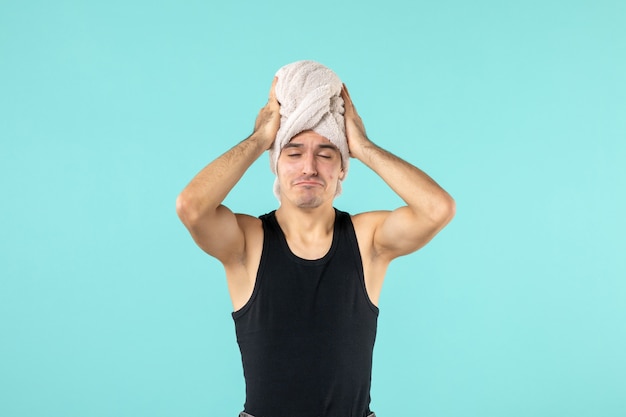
(420, 192)
(208, 189)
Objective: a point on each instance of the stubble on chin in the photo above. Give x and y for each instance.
(309, 203)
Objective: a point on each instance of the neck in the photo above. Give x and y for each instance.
(308, 231)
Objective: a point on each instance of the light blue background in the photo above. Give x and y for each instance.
(518, 109)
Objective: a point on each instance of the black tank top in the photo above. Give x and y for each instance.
(307, 333)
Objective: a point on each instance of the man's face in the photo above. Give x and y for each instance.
(309, 169)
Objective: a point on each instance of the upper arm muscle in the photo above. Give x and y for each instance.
(396, 233)
(403, 232)
(220, 235)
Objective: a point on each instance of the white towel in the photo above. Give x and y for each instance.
(310, 99)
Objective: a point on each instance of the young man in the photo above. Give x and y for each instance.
(305, 279)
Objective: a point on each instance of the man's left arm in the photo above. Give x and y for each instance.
(429, 208)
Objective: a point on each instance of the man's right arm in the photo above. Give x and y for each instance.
(213, 226)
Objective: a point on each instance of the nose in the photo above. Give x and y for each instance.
(308, 164)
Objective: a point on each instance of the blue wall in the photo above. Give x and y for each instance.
(518, 109)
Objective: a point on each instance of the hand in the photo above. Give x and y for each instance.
(268, 120)
(355, 130)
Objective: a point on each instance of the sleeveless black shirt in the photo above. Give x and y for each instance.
(307, 333)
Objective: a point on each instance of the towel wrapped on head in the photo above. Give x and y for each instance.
(310, 99)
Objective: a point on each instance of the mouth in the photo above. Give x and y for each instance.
(308, 183)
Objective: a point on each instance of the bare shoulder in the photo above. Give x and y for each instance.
(369, 219)
(241, 271)
(252, 229)
(365, 226)
(242, 266)
(375, 266)
(247, 222)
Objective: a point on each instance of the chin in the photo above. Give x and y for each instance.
(309, 202)
(308, 198)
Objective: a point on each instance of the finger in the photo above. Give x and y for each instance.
(346, 92)
(273, 89)
(347, 101)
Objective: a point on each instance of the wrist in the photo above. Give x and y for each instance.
(361, 150)
(263, 141)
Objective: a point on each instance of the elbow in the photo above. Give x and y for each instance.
(451, 212)
(185, 210)
(445, 210)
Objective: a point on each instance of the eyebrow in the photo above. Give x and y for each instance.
(321, 146)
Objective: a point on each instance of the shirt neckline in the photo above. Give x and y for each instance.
(293, 256)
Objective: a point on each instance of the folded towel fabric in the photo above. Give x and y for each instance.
(310, 99)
